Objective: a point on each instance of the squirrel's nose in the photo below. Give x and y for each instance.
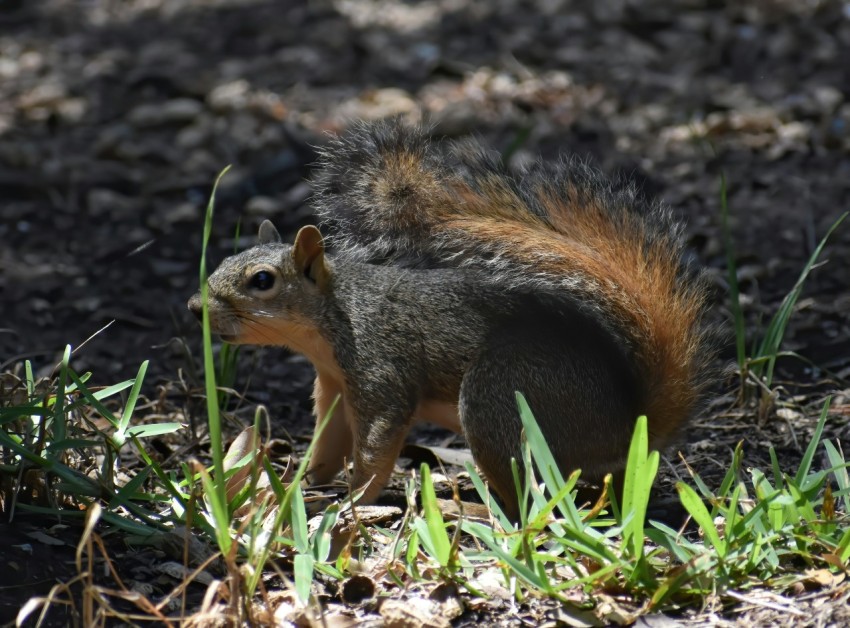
(195, 305)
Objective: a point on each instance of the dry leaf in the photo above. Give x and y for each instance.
(180, 573)
(828, 509)
(41, 537)
(243, 445)
(823, 577)
(413, 613)
(835, 561)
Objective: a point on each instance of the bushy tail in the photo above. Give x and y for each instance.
(391, 195)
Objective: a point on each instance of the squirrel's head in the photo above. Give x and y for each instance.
(268, 293)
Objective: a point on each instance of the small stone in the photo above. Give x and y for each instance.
(184, 212)
(105, 202)
(178, 110)
(195, 135)
(827, 97)
(377, 104)
(229, 96)
(264, 206)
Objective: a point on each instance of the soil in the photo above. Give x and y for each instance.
(117, 116)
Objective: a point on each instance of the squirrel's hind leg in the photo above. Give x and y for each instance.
(578, 385)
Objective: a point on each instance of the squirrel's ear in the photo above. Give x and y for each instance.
(268, 233)
(308, 253)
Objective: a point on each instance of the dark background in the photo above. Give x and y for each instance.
(117, 115)
(115, 118)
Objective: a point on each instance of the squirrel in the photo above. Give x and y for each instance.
(455, 282)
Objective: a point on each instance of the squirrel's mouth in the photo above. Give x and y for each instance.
(234, 339)
(229, 333)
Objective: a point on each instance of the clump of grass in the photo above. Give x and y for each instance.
(226, 372)
(58, 424)
(771, 526)
(758, 526)
(603, 563)
(241, 504)
(248, 541)
(757, 369)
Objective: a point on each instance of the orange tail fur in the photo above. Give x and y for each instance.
(562, 229)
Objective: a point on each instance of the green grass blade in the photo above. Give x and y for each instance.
(218, 511)
(215, 490)
(59, 428)
(284, 495)
(641, 468)
(303, 567)
(30, 379)
(809, 455)
(74, 443)
(321, 542)
(699, 565)
(439, 538)
(839, 471)
(129, 491)
(843, 549)
(108, 391)
(730, 479)
(34, 408)
(520, 569)
(547, 467)
(153, 429)
(487, 497)
(776, 329)
(732, 278)
(166, 482)
(89, 398)
(694, 505)
(775, 467)
(99, 395)
(299, 520)
(130, 406)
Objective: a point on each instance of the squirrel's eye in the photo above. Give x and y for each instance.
(262, 280)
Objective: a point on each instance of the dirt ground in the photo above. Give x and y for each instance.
(117, 115)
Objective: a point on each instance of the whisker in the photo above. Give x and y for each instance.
(264, 332)
(261, 313)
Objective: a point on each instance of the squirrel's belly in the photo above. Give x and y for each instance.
(442, 413)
